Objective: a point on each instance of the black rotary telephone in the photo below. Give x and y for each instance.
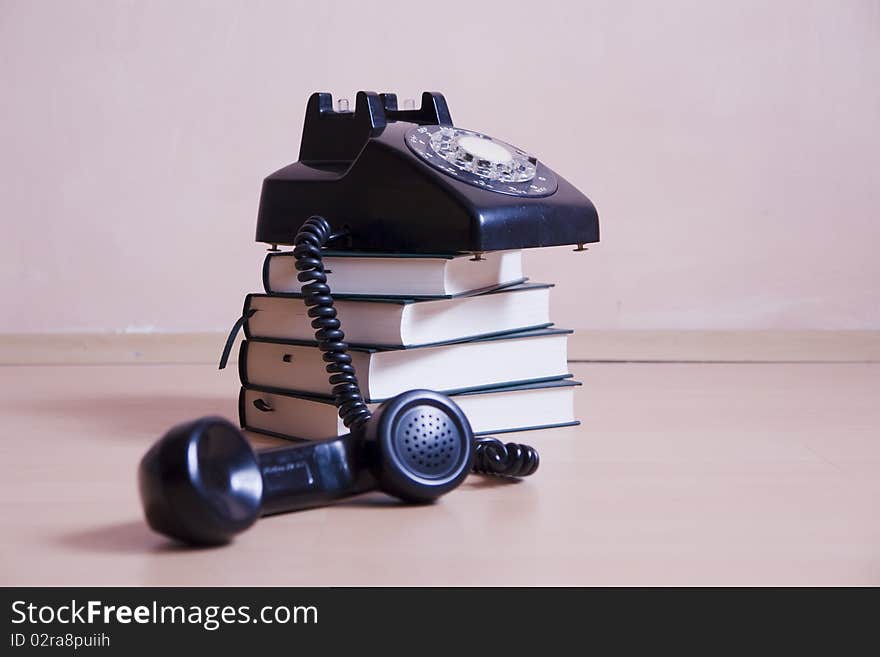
(378, 178)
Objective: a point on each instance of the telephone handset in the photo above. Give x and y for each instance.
(202, 483)
(382, 179)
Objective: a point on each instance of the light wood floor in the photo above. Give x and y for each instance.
(680, 474)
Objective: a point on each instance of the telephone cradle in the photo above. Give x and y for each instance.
(408, 180)
(384, 180)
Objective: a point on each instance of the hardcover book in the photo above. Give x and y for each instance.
(385, 372)
(403, 275)
(540, 405)
(385, 321)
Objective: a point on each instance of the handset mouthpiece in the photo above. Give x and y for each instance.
(201, 482)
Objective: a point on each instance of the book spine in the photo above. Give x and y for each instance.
(267, 266)
(242, 419)
(265, 273)
(247, 308)
(242, 362)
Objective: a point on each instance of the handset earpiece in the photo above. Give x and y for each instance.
(202, 483)
(423, 443)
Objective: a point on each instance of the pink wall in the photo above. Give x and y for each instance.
(733, 149)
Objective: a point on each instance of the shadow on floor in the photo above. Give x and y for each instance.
(370, 499)
(135, 537)
(486, 481)
(122, 538)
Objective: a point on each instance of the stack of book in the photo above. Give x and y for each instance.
(475, 330)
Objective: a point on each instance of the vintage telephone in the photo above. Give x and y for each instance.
(382, 179)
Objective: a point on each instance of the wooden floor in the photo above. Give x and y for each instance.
(680, 474)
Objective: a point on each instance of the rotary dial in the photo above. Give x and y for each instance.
(481, 160)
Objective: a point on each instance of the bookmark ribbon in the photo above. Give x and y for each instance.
(224, 357)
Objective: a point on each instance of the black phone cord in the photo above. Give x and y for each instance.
(307, 245)
(492, 457)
